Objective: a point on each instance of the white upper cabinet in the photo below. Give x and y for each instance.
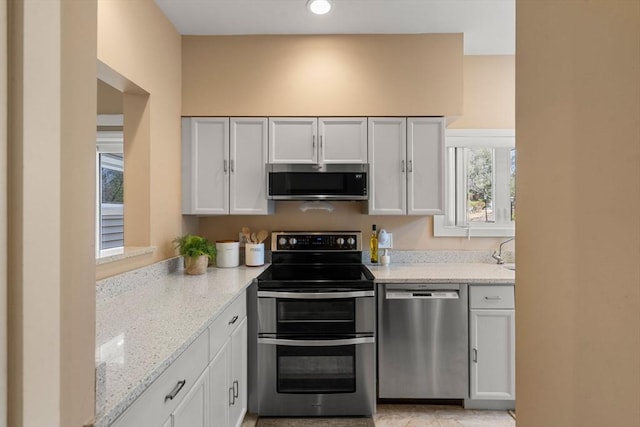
(406, 163)
(387, 166)
(342, 140)
(247, 166)
(425, 166)
(293, 140)
(321, 140)
(205, 166)
(223, 166)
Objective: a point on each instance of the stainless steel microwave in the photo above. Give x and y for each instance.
(317, 182)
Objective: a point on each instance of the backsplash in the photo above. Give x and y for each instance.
(444, 256)
(115, 285)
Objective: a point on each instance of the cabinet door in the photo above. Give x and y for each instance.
(248, 156)
(425, 166)
(492, 358)
(343, 140)
(238, 374)
(221, 391)
(205, 168)
(387, 166)
(293, 140)
(193, 411)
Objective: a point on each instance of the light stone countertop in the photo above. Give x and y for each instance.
(471, 273)
(142, 328)
(146, 319)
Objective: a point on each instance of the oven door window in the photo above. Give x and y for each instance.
(316, 316)
(330, 369)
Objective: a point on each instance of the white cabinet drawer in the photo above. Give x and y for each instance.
(222, 327)
(154, 406)
(491, 297)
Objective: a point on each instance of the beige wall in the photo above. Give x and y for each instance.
(489, 93)
(137, 41)
(489, 102)
(109, 99)
(341, 75)
(51, 266)
(578, 276)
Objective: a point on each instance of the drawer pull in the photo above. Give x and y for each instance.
(232, 399)
(493, 298)
(232, 321)
(235, 390)
(475, 355)
(175, 390)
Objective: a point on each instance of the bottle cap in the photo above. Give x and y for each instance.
(374, 227)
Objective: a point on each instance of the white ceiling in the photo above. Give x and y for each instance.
(488, 25)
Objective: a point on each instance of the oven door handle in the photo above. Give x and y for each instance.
(316, 343)
(315, 295)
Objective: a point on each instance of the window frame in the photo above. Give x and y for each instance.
(111, 141)
(453, 222)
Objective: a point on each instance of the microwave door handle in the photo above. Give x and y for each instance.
(316, 343)
(315, 295)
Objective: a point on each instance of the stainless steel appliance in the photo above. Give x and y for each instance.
(317, 182)
(423, 341)
(316, 324)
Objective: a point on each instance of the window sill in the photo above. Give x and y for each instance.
(118, 254)
(442, 230)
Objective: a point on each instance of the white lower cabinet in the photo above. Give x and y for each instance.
(220, 397)
(228, 369)
(238, 379)
(193, 411)
(206, 386)
(492, 343)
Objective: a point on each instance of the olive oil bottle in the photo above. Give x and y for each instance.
(373, 245)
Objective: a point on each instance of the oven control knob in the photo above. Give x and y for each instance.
(340, 241)
(351, 241)
(293, 241)
(282, 241)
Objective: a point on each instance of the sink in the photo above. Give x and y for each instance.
(511, 267)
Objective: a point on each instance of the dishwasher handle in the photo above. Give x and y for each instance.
(422, 294)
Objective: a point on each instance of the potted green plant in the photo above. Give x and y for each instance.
(197, 252)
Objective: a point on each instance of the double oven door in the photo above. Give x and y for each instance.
(316, 352)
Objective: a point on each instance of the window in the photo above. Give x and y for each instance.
(480, 184)
(110, 193)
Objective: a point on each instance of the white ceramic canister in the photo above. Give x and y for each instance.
(254, 254)
(227, 253)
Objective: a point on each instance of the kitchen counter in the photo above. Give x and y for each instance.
(145, 321)
(471, 273)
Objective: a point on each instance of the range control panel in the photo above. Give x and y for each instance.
(316, 241)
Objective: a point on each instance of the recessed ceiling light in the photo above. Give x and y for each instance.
(319, 7)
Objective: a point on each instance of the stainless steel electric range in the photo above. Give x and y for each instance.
(316, 327)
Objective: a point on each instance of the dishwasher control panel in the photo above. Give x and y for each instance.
(419, 294)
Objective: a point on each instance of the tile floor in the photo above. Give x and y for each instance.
(429, 416)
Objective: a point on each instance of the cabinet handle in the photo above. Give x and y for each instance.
(493, 298)
(410, 165)
(475, 355)
(233, 320)
(321, 145)
(236, 388)
(402, 165)
(232, 165)
(224, 165)
(175, 390)
(232, 399)
(313, 141)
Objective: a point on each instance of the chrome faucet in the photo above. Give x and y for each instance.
(497, 255)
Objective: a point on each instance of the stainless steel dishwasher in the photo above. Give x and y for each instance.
(423, 341)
